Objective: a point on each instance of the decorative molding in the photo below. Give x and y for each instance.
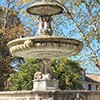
(44, 47)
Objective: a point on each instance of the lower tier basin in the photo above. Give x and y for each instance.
(45, 47)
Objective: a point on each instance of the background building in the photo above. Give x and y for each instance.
(91, 82)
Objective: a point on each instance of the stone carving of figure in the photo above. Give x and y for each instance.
(41, 76)
(41, 25)
(38, 75)
(45, 25)
(46, 70)
(46, 76)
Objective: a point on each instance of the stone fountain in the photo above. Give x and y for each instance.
(45, 45)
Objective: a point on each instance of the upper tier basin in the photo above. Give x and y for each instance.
(45, 9)
(45, 47)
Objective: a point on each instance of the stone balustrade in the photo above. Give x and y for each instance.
(50, 95)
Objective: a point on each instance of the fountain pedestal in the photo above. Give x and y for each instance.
(45, 84)
(45, 79)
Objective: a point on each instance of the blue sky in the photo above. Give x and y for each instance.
(2, 2)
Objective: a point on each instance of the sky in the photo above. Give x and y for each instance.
(90, 69)
(2, 2)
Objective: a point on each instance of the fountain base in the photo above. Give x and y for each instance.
(51, 84)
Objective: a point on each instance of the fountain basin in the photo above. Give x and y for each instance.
(45, 47)
(45, 8)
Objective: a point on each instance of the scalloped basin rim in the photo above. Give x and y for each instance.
(45, 47)
(60, 38)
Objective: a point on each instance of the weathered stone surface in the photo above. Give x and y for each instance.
(50, 95)
(45, 47)
(45, 84)
(45, 8)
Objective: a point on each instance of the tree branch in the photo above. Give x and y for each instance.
(84, 38)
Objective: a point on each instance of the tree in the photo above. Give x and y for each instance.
(12, 29)
(67, 72)
(85, 17)
(22, 80)
(5, 70)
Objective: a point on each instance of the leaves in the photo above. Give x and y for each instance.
(86, 21)
(68, 73)
(13, 30)
(22, 80)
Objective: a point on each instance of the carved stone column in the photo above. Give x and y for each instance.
(45, 79)
(45, 26)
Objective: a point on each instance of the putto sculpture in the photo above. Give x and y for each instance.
(45, 45)
(45, 25)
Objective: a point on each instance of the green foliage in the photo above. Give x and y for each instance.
(22, 80)
(10, 28)
(68, 72)
(5, 71)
